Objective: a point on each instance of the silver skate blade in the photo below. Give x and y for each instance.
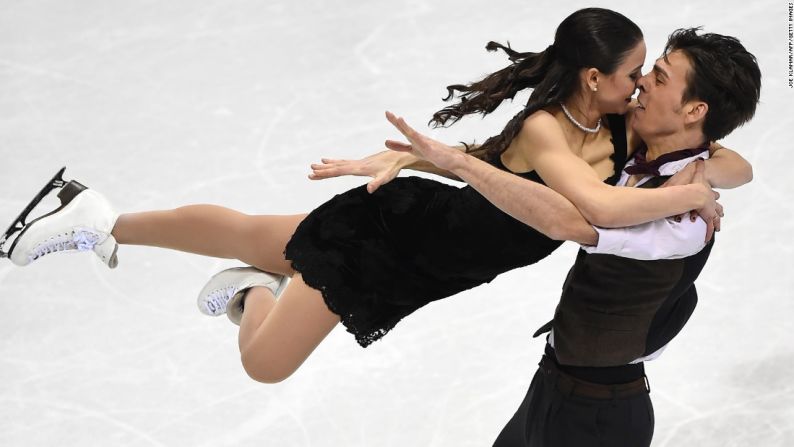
(19, 223)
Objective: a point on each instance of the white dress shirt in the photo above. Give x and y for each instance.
(660, 239)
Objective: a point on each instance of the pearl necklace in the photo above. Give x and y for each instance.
(586, 129)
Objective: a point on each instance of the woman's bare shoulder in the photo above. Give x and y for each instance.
(542, 127)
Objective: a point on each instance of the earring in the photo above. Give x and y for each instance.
(595, 89)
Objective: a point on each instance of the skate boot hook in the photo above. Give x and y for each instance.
(46, 236)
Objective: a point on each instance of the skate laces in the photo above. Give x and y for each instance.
(80, 239)
(216, 301)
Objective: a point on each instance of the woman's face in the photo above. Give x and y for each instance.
(615, 90)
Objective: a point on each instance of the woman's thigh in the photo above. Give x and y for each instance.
(266, 238)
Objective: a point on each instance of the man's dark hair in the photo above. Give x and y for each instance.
(724, 75)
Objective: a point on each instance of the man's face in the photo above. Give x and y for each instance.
(660, 111)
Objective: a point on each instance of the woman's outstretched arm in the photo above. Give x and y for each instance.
(418, 164)
(384, 166)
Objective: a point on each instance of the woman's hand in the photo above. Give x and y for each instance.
(686, 176)
(683, 177)
(439, 154)
(383, 167)
(712, 211)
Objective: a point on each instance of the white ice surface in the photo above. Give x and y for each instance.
(158, 104)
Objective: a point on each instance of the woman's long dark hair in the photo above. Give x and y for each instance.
(591, 37)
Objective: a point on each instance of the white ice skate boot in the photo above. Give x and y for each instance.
(83, 222)
(224, 292)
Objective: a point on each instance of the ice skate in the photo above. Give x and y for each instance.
(224, 292)
(83, 222)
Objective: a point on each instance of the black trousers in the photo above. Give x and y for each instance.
(549, 417)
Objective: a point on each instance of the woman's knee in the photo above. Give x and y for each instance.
(261, 370)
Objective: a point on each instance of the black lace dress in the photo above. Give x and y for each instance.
(378, 257)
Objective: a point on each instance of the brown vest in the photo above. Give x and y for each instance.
(614, 310)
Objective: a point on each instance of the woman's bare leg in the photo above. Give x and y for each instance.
(212, 230)
(277, 336)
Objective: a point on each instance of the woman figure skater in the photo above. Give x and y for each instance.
(376, 253)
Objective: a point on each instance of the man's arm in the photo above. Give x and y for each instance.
(555, 216)
(660, 239)
(546, 211)
(724, 169)
(667, 238)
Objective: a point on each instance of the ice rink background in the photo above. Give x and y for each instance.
(161, 104)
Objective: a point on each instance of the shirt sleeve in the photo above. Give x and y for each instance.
(660, 239)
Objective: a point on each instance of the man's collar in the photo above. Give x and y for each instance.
(665, 164)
